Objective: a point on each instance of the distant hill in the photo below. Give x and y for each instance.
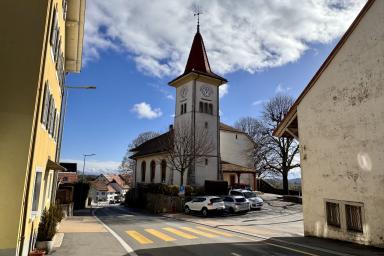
(293, 184)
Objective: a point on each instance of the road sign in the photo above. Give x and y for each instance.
(181, 190)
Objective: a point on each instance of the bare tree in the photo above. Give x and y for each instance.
(186, 148)
(256, 130)
(281, 152)
(271, 156)
(128, 164)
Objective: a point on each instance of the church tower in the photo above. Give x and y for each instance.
(197, 104)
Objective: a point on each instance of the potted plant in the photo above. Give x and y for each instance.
(58, 214)
(47, 230)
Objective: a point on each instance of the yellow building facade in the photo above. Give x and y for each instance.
(40, 42)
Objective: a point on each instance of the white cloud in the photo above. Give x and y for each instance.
(223, 90)
(94, 166)
(281, 89)
(144, 110)
(258, 102)
(170, 97)
(247, 35)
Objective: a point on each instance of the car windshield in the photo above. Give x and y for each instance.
(249, 194)
(240, 200)
(216, 200)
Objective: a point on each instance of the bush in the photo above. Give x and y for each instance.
(57, 212)
(47, 225)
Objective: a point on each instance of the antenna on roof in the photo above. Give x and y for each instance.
(197, 13)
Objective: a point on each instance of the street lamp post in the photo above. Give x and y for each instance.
(85, 155)
(82, 178)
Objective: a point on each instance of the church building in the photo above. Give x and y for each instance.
(197, 104)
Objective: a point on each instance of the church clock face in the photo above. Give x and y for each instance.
(206, 91)
(184, 92)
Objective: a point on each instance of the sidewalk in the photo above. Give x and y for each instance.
(84, 235)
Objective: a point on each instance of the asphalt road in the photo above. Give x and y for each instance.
(143, 234)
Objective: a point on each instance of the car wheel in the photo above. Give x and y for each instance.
(204, 211)
(187, 210)
(231, 210)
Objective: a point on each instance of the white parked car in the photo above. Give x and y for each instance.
(255, 201)
(205, 204)
(236, 204)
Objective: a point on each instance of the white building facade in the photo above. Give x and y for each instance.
(339, 122)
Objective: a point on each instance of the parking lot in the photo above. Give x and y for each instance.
(276, 218)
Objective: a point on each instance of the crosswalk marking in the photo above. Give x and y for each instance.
(160, 235)
(139, 237)
(215, 231)
(180, 233)
(199, 232)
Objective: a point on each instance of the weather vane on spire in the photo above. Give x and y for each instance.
(197, 13)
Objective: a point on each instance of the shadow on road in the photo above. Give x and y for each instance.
(274, 246)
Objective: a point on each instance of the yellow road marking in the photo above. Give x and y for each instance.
(160, 235)
(139, 237)
(180, 233)
(215, 231)
(198, 232)
(291, 249)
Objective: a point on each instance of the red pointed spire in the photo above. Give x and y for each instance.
(198, 60)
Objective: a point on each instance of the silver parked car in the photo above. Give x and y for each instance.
(255, 201)
(236, 204)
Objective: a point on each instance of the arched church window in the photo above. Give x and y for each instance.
(153, 167)
(210, 109)
(205, 107)
(185, 108)
(163, 170)
(143, 167)
(201, 107)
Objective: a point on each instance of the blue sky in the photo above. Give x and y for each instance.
(132, 94)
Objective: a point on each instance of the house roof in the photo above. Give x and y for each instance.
(162, 143)
(116, 178)
(198, 60)
(290, 118)
(99, 185)
(68, 177)
(225, 127)
(231, 167)
(158, 144)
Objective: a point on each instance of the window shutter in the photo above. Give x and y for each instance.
(50, 110)
(53, 123)
(53, 28)
(57, 50)
(45, 100)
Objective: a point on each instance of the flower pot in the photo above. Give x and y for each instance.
(45, 245)
(37, 253)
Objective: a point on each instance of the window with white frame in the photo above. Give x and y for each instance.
(36, 190)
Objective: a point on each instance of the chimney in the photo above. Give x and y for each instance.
(171, 127)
